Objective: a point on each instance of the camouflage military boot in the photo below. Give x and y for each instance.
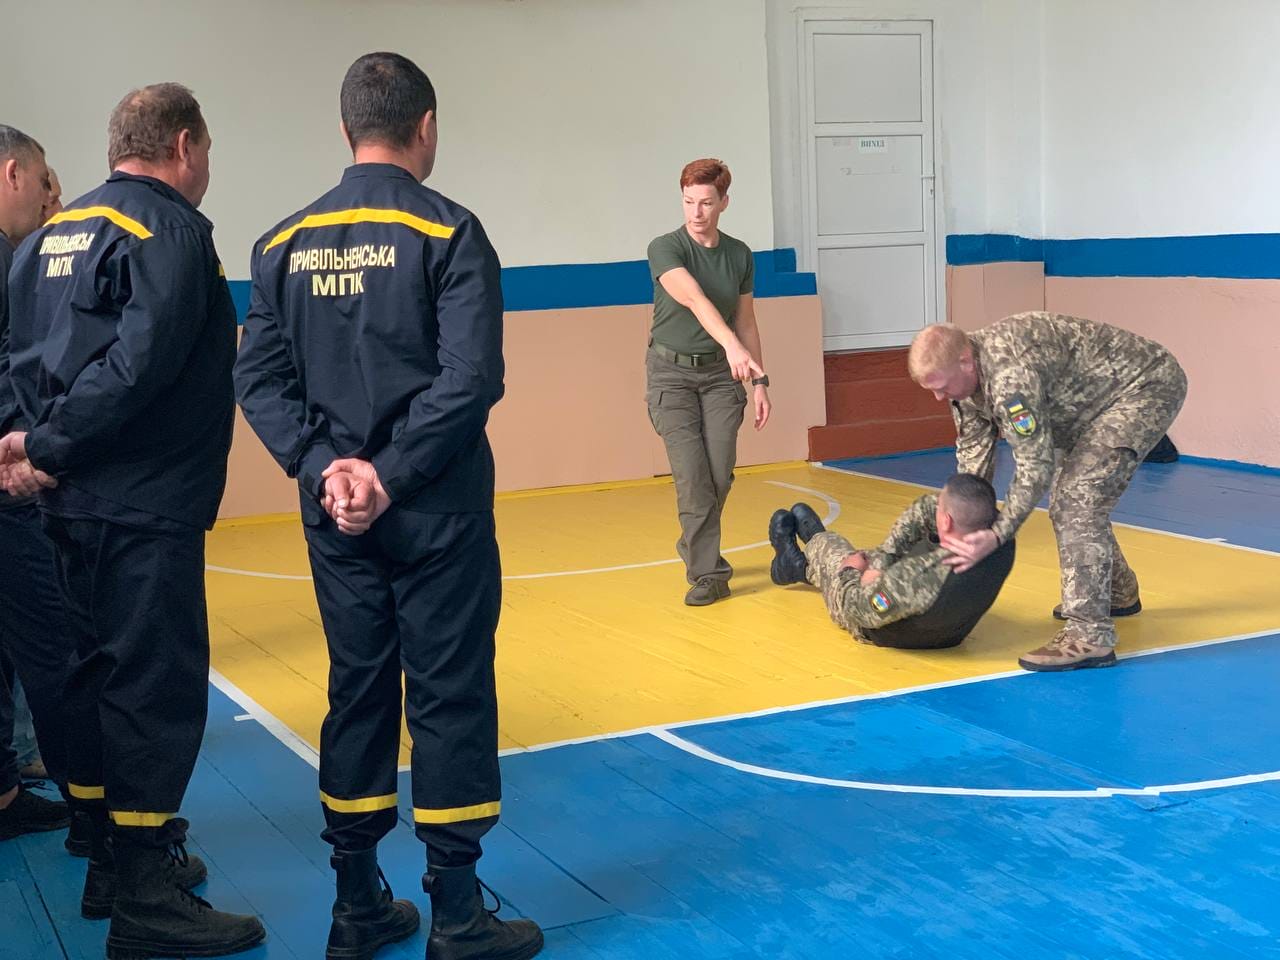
(808, 525)
(789, 564)
(706, 592)
(1065, 652)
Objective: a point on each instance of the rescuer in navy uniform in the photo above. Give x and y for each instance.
(372, 353)
(122, 337)
(34, 642)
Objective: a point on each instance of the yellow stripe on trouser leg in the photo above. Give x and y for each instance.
(360, 804)
(476, 811)
(140, 818)
(86, 793)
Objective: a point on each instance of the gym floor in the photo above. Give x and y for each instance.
(744, 781)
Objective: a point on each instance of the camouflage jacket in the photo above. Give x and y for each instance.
(1043, 378)
(912, 571)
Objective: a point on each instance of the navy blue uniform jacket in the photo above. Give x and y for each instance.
(8, 408)
(375, 331)
(121, 340)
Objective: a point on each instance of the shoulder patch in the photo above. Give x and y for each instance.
(1021, 417)
(881, 602)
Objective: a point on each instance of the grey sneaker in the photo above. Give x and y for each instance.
(706, 592)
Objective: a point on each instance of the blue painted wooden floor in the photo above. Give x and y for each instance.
(635, 848)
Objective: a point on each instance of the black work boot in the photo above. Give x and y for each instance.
(462, 928)
(100, 879)
(789, 564)
(28, 812)
(77, 842)
(153, 917)
(808, 525)
(365, 917)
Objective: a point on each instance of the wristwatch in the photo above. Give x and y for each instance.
(760, 381)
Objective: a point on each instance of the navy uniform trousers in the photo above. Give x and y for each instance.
(137, 696)
(418, 594)
(36, 641)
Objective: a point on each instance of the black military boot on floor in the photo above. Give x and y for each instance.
(77, 842)
(808, 525)
(365, 917)
(462, 928)
(789, 564)
(100, 879)
(28, 812)
(154, 917)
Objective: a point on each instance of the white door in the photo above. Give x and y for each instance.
(870, 227)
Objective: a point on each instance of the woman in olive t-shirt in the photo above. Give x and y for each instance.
(703, 345)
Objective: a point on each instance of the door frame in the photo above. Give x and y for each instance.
(880, 11)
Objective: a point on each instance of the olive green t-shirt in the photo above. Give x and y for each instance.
(724, 272)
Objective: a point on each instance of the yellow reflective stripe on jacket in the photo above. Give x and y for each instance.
(476, 811)
(360, 804)
(85, 793)
(362, 215)
(140, 818)
(115, 216)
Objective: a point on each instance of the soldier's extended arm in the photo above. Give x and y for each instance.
(906, 588)
(1019, 398)
(976, 438)
(917, 522)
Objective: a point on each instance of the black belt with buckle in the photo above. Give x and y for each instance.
(687, 359)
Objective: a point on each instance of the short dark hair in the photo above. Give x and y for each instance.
(145, 124)
(384, 98)
(16, 145)
(971, 501)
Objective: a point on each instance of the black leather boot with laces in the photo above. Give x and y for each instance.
(154, 917)
(100, 879)
(463, 928)
(365, 915)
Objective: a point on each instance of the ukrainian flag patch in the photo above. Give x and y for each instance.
(1021, 417)
(881, 601)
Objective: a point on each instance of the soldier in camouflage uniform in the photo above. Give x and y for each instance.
(900, 582)
(1081, 403)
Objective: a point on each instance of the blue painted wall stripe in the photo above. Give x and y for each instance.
(1243, 256)
(569, 285)
(965, 249)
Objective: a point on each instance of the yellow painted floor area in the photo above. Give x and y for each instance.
(586, 653)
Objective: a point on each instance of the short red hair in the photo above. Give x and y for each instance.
(708, 170)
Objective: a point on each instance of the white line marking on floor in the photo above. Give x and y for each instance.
(254, 573)
(857, 697)
(833, 511)
(1097, 793)
(270, 721)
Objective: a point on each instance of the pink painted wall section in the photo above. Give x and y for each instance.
(1225, 334)
(574, 410)
(981, 294)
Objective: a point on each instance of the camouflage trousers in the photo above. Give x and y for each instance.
(1089, 481)
(825, 553)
